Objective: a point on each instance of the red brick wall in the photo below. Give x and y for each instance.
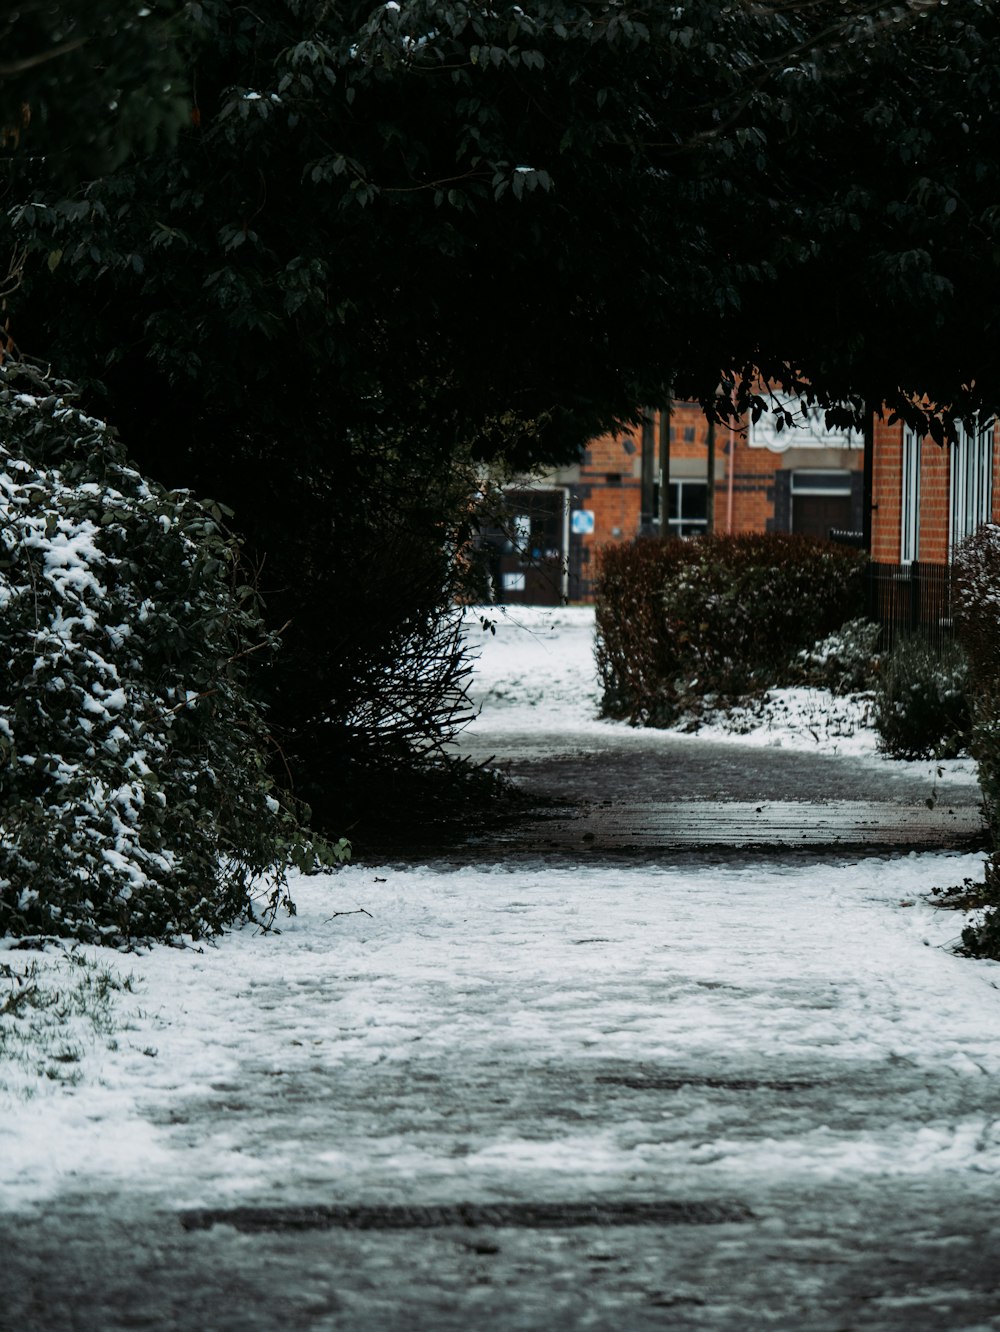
(752, 487)
(935, 496)
(617, 506)
(689, 431)
(616, 503)
(887, 489)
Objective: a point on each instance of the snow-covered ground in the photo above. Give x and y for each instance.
(418, 1034)
(536, 672)
(352, 1056)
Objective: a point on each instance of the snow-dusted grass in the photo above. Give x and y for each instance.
(55, 1008)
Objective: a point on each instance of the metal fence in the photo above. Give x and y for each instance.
(841, 537)
(909, 599)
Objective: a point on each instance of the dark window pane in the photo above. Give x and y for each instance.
(694, 497)
(815, 515)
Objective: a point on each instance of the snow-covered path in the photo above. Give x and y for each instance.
(537, 686)
(791, 1042)
(436, 1043)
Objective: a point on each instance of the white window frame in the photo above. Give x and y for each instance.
(909, 498)
(970, 484)
(822, 481)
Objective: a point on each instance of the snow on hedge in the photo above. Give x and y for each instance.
(133, 793)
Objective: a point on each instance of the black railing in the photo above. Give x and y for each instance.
(840, 537)
(909, 599)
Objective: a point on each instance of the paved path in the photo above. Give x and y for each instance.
(651, 827)
(659, 766)
(628, 1172)
(658, 793)
(899, 1258)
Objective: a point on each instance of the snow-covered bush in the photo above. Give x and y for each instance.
(977, 624)
(845, 661)
(922, 700)
(134, 796)
(716, 617)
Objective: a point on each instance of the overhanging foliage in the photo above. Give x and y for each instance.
(387, 242)
(530, 220)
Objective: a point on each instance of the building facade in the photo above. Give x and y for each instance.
(806, 479)
(927, 497)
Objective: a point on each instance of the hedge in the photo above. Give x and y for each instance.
(714, 617)
(135, 801)
(977, 625)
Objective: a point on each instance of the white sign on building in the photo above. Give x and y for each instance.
(808, 431)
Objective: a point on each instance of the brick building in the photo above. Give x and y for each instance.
(807, 479)
(926, 497)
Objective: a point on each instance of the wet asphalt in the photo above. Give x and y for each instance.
(666, 797)
(659, 767)
(880, 1258)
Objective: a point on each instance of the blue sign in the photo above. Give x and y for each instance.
(582, 522)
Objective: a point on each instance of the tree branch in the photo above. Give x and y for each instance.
(12, 67)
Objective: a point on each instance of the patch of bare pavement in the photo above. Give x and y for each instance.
(648, 827)
(679, 794)
(898, 1256)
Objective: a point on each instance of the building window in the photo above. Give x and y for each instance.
(688, 512)
(909, 507)
(971, 484)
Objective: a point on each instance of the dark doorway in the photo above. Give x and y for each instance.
(821, 502)
(528, 554)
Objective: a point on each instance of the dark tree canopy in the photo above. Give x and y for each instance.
(82, 84)
(522, 223)
(316, 259)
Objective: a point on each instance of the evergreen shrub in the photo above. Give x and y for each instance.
(845, 662)
(135, 802)
(922, 700)
(977, 625)
(714, 617)
(359, 549)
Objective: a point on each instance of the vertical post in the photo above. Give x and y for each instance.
(870, 591)
(648, 474)
(915, 595)
(710, 491)
(665, 415)
(868, 483)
